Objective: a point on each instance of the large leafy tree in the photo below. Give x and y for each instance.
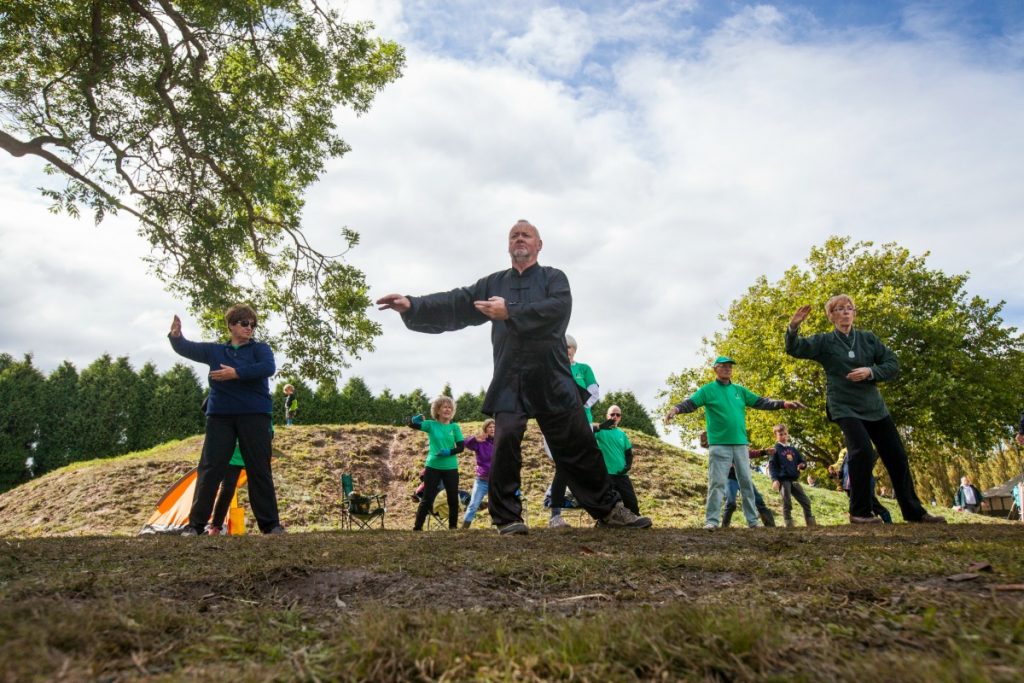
(960, 365)
(206, 122)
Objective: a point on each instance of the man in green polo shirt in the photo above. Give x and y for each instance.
(617, 450)
(725, 414)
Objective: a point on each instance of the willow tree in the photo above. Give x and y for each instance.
(205, 122)
(960, 365)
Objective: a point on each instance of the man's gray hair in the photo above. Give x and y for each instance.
(523, 221)
(571, 341)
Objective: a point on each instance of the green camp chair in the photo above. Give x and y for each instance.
(359, 510)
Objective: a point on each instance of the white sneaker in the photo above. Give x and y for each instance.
(710, 526)
(557, 522)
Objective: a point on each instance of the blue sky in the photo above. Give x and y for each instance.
(670, 152)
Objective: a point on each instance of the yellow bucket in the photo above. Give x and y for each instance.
(236, 521)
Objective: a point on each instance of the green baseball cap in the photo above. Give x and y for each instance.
(722, 360)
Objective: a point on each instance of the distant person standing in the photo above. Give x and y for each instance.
(483, 447)
(968, 498)
(442, 466)
(617, 450)
(226, 493)
(854, 362)
(291, 405)
(725, 405)
(785, 463)
(585, 379)
(238, 410)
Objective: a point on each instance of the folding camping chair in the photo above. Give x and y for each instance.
(571, 506)
(439, 514)
(358, 509)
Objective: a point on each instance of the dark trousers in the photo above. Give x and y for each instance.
(559, 485)
(790, 489)
(225, 494)
(575, 453)
(859, 435)
(431, 479)
(624, 485)
(253, 435)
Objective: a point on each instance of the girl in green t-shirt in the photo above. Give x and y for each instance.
(442, 467)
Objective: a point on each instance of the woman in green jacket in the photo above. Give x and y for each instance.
(854, 362)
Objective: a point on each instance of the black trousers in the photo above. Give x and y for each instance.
(576, 456)
(253, 435)
(859, 435)
(431, 478)
(624, 485)
(559, 485)
(225, 494)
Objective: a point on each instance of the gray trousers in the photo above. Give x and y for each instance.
(789, 490)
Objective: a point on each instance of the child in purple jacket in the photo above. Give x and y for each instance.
(483, 446)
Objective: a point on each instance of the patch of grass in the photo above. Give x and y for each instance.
(836, 603)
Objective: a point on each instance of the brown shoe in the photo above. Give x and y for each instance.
(929, 519)
(864, 520)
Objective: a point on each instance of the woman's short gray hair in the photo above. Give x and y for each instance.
(570, 341)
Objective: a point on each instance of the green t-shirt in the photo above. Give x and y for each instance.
(584, 377)
(613, 444)
(725, 412)
(442, 436)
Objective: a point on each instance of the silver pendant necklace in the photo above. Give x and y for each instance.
(848, 347)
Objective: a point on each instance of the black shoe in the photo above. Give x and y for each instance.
(864, 520)
(513, 529)
(929, 519)
(277, 530)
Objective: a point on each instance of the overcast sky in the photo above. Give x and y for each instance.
(670, 152)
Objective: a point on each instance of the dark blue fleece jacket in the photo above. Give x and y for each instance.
(254, 363)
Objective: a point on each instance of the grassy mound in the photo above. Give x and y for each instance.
(116, 496)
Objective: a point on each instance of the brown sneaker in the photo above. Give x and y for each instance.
(864, 520)
(622, 518)
(929, 519)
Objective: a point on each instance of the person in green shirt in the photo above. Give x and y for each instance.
(617, 450)
(725, 405)
(585, 380)
(442, 467)
(854, 362)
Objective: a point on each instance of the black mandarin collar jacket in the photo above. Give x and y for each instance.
(531, 365)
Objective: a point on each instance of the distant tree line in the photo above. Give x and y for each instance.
(110, 409)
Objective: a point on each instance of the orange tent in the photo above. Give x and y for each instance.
(171, 514)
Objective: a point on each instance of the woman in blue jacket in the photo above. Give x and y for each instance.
(238, 410)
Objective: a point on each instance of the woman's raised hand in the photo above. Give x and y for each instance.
(800, 316)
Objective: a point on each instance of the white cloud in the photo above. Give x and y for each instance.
(662, 197)
(556, 43)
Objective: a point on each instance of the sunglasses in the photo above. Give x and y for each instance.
(247, 323)
(615, 414)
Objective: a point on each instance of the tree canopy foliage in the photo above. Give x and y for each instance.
(634, 415)
(205, 121)
(960, 366)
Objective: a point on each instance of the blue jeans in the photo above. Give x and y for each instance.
(720, 458)
(479, 491)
